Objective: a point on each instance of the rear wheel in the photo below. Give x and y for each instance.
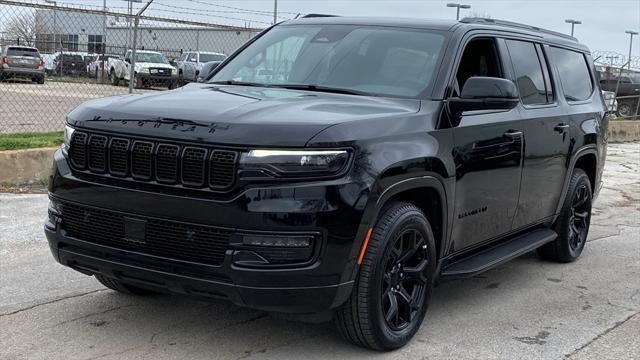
(573, 222)
(121, 287)
(392, 290)
(41, 80)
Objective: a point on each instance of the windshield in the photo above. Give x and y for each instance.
(151, 58)
(364, 59)
(211, 57)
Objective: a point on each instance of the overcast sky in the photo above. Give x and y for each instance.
(603, 21)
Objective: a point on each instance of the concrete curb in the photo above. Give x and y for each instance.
(25, 166)
(30, 165)
(624, 130)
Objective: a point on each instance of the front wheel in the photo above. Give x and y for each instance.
(573, 222)
(393, 288)
(114, 78)
(627, 108)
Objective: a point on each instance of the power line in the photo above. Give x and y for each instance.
(214, 11)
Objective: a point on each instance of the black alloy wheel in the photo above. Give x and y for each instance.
(573, 222)
(404, 280)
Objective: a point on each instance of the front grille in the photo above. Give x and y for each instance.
(160, 71)
(153, 161)
(170, 239)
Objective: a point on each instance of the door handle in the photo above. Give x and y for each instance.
(561, 128)
(513, 134)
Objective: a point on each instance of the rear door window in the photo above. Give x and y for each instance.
(529, 73)
(16, 51)
(574, 74)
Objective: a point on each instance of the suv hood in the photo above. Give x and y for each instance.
(235, 115)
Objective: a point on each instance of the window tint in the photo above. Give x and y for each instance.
(528, 71)
(480, 58)
(574, 74)
(18, 51)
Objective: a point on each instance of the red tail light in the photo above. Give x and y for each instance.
(41, 61)
(5, 60)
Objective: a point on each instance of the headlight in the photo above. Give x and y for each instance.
(68, 132)
(295, 163)
(143, 70)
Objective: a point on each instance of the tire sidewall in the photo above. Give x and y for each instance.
(579, 178)
(409, 220)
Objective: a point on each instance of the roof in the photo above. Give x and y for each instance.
(464, 25)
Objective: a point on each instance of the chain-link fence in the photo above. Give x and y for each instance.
(54, 57)
(619, 78)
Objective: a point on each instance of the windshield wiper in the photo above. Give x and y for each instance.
(241, 83)
(321, 88)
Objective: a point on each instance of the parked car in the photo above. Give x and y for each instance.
(382, 157)
(97, 64)
(151, 69)
(628, 93)
(207, 70)
(70, 64)
(190, 64)
(21, 62)
(49, 59)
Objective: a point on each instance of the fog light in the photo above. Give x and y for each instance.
(257, 250)
(277, 241)
(54, 211)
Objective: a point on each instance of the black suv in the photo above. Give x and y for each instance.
(338, 165)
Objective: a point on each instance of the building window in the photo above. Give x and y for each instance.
(95, 44)
(70, 42)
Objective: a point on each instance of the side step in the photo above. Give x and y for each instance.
(499, 254)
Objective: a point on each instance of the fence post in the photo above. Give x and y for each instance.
(133, 49)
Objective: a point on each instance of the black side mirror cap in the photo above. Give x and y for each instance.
(485, 93)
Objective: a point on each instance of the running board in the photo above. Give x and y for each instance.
(499, 254)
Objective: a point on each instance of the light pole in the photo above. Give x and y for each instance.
(573, 24)
(458, 7)
(631, 33)
(275, 11)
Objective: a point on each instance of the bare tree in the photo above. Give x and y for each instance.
(483, 14)
(24, 27)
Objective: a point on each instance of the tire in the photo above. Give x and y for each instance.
(171, 85)
(114, 79)
(367, 319)
(627, 108)
(180, 78)
(137, 82)
(121, 287)
(41, 80)
(573, 222)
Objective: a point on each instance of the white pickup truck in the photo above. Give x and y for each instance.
(151, 69)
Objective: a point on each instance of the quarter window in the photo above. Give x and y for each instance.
(529, 74)
(574, 74)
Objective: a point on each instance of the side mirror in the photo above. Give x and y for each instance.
(173, 63)
(485, 93)
(127, 60)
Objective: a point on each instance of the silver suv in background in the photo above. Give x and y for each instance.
(21, 62)
(191, 62)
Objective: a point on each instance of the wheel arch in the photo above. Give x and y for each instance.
(585, 158)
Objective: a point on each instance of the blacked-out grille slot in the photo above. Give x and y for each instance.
(167, 163)
(98, 153)
(78, 150)
(222, 169)
(119, 157)
(170, 239)
(193, 166)
(141, 160)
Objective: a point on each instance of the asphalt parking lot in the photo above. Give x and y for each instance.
(27, 106)
(526, 309)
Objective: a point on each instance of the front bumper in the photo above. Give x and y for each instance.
(328, 208)
(157, 79)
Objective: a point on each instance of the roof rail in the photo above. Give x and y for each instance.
(318, 16)
(479, 20)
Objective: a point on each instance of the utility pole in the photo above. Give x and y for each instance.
(458, 7)
(133, 49)
(275, 11)
(573, 24)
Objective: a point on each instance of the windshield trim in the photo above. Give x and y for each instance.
(426, 94)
